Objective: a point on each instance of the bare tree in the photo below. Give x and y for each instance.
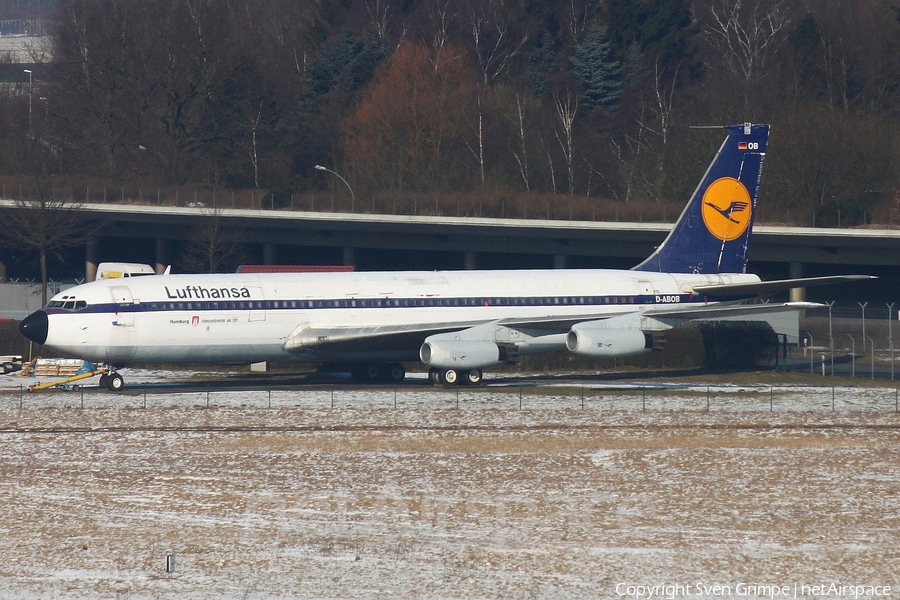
(379, 16)
(522, 154)
(566, 109)
(577, 16)
(216, 246)
(41, 223)
(663, 112)
(441, 18)
(495, 42)
(478, 152)
(745, 32)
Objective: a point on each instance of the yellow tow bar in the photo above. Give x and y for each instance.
(64, 382)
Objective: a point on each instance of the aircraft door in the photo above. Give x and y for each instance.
(646, 288)
(257, 305)
(121, 295)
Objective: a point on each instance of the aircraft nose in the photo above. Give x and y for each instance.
(35, 327)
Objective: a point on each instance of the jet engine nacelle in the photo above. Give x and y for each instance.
(459, 354)
(608, 342)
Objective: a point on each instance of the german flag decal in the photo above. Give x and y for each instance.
(742, 145)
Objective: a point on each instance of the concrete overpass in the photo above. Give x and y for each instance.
(152, 234)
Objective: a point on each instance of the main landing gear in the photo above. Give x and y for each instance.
(378, 372)
(112, 381)
(454, 376)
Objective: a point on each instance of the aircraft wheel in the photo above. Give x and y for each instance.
(373, 372)
(474, 377)
(450, 376)
(434, 375)
(396, 372)
(114, 382)
(104, 380)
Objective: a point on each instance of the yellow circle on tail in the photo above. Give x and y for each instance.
(726, 208)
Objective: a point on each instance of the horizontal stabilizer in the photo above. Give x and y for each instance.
(734, 290)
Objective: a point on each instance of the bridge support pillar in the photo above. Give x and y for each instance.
(797, 294)
(349, 256)
(91, 259)
(470, 261)
(560, 261)
(162, 256)
(270, 254)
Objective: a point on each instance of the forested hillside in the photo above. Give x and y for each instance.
(572, 97)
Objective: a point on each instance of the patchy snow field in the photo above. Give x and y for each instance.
(430, 501)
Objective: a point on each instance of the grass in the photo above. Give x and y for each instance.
(554, 503)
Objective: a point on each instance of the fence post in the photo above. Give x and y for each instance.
(582, 397)
(707, 398)
(520, 397)
(270, 398)
(643, 399)
(832, 398)
(771, 399)
(332, 396)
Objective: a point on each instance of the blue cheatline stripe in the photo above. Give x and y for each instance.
(345, 303)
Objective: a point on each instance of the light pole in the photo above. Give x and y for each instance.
(352, 195)
(810, 353)
(830, 336)
(862, 308)
(852, 355)
(891, 337)
(30, 94)
(872, 348)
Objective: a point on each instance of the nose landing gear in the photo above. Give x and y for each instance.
(112, 381)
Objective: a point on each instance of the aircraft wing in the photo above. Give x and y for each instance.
(407, 338)
(360, 339)
(717, 311)
(734, 290)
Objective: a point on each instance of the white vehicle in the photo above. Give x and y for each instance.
(118, 270)
(455, 322)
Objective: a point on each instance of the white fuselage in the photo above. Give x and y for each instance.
(250, 317)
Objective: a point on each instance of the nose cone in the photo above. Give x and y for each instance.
(35, 326)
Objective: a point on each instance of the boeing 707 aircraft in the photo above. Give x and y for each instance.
(455, 322)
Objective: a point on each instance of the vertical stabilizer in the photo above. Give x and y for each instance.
(713, 233)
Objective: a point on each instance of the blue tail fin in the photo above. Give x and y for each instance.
(713, 233)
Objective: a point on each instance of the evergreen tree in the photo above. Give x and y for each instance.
(599, 74)
(663, 30)
(541, 65)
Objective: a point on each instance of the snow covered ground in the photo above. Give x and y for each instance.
(768, 487)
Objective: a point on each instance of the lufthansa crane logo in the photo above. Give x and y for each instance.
(726, 208)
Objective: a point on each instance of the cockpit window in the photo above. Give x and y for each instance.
(67, 303)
